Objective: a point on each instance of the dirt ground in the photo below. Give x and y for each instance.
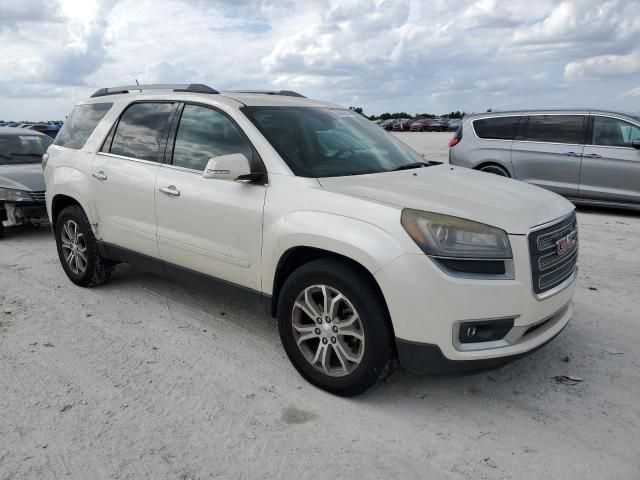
(147, 378)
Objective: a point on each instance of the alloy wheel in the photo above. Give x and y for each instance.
(328, 330)
(74, 247)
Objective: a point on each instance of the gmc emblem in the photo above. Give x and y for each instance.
(566, 244)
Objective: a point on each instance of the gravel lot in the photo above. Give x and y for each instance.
(147, 378)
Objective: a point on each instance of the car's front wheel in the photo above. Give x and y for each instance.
(78, 249)
(335, 327)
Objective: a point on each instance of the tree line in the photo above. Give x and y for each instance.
(388, 116)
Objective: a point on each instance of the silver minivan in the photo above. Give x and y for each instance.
(588, 156)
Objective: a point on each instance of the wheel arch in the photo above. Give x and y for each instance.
(297, 256)
(494, 163)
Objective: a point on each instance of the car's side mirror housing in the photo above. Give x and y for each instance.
(636, 144)
(234, 166)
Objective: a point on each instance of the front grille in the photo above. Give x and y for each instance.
(554, 253)
(37, 196)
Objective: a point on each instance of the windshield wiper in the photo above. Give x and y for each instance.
(409, 166)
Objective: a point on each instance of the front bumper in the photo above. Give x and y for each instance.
(428, 305)
(429, 359)
(18, 213)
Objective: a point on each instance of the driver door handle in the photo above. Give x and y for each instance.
(171, 190)
(100, 176)
(593, 155)
(572, 154)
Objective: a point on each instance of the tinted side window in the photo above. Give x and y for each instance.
(613, 132)
(80, 124)
(140, 130)
(204, 133)
(555, 128)
(501, 128)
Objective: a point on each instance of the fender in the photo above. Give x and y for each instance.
(74, 183)
(369, 245)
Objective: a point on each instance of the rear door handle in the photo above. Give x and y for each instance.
(572, 154)
(100, 176)
(171, 190)
(593, 155)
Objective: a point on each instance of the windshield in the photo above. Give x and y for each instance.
(325, 142)
(17, 149)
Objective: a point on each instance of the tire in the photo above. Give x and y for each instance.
(374, 354)
(496, 170)
(94, 269)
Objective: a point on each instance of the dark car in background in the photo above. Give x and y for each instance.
(454, 124)
(403, 124)
(22, 186)
(420, 125)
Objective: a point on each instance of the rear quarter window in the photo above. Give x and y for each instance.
(498, 128)
(80, 124)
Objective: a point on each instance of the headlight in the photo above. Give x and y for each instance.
(11, 195)
(452, 237)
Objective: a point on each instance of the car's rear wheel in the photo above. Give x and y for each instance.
(495, 169)
(335, 327)
(78, 249)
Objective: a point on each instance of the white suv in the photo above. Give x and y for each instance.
(365, 253)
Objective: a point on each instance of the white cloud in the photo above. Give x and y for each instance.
(414, 55)
(604, 65)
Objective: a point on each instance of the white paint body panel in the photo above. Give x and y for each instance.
(239, 232)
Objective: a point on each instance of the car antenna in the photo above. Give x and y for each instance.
(138, 83)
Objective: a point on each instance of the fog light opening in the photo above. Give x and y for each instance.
(484, 330)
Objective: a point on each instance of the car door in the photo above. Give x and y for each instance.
(124, 175)
(610, 164)
(548, 151)
(209, 226)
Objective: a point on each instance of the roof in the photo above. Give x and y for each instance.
(20, 131)
(582, 111)
(205, 94)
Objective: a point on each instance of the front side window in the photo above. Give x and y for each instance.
(328, 142)
(140, 130)
(204, 133)
(556, 129)
(17, 149)
(499, 128)
(612, 132)
(80, 124)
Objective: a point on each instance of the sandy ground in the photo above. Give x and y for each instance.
(146, 378)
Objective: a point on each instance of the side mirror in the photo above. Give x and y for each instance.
(636, 144)
(228, 167)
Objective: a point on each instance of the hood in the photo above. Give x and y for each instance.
(508, 204)
(27, 176)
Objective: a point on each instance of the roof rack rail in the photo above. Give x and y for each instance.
(176, 87)
(285, 93)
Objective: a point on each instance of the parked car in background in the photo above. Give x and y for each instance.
(437, 125)
(387, 124)
(22, 187)
(366, 254)
(420, 125)
(403, 124)
(588, 156)
(454, 125)
(46, 128)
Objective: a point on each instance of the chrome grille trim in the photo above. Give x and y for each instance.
(38, 196)
(550, 266)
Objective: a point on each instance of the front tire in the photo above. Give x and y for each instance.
(78, 249)
(335, 328)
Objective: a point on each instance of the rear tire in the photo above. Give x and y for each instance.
(349, 334)
(495, 169)
(78, 249)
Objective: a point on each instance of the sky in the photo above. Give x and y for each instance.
(382, 55)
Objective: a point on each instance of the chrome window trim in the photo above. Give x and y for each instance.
(123, 157)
